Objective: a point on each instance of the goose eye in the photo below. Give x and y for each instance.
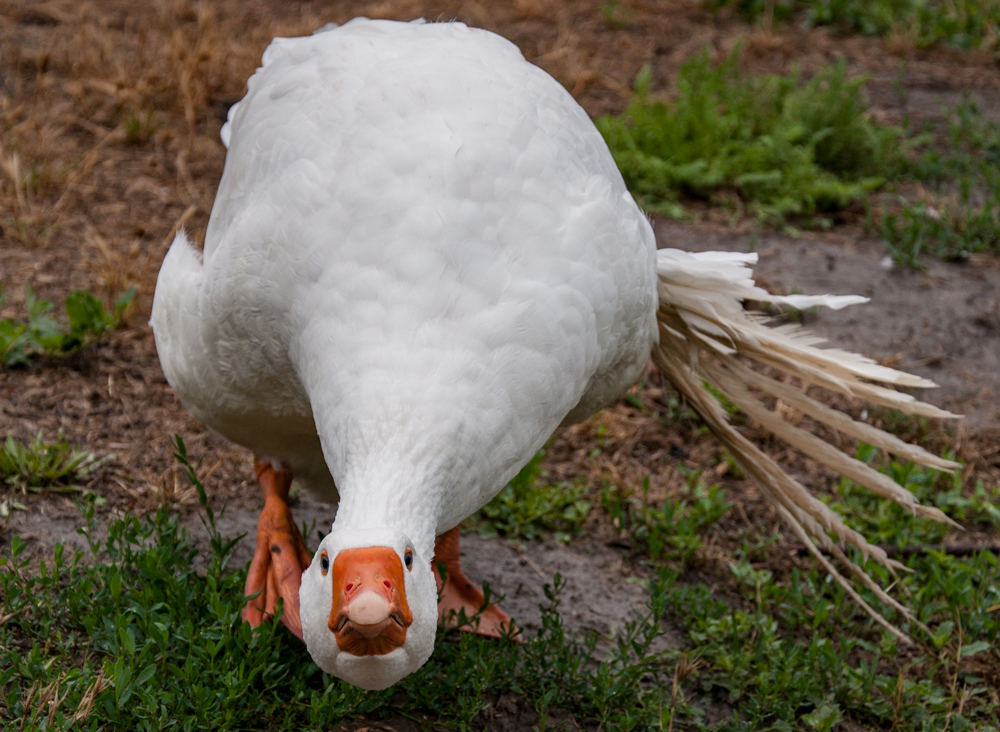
(408, 559)
(324, 563)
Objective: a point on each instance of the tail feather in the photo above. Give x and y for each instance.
(814, 447)
(704, 329)
(798, 399)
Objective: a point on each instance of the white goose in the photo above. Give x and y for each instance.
(421, 261)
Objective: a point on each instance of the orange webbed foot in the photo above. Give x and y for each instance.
(456, 593)
(280, 557)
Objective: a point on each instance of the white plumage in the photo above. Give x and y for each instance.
(421, 261)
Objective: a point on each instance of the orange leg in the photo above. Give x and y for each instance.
(458, 592)
(281, 555)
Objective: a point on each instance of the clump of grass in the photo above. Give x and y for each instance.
(616, 15)
(136, 638)
(782, 150)
(954, 232)
(959, 176)
(672, 531)
(140, 126)
(87, 320)
(964, 25)
(780, 145)
(37, 465)
(802, 652)
(883, 524)
(528, 509)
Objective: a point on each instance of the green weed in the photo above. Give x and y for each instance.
(137, 639)
(886, 522)
(616, 15)
(140, 126)
(780, 145)
(804, 652)
(87, 320)
(527, 509)
(782, 149)
(134, 637)
(960, 172)
(672, 531)
(38, 465)
(965, 24)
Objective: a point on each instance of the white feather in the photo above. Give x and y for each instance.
(704, 329)
(422, 260)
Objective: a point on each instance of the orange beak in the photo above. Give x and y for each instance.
(369, 615)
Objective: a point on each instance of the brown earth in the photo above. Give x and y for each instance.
(110, 114)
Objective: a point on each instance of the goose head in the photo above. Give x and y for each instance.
(368, 604)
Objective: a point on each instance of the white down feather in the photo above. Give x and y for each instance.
(421, 260)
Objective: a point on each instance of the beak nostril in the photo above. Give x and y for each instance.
(369, 615)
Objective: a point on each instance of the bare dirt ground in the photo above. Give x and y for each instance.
(109, 122)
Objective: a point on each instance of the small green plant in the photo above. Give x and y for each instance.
(137, 637)
(41, 334)
(954, 232)
(527, 509)
(616, 14)
(960, 169)
(964, 25)
(672, 531)
(140, 126)
(38, 466)
(777, 145)
(885, 522)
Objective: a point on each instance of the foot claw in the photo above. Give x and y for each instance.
(457, 593)
(280, 557)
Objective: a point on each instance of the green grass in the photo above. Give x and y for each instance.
(134, 637)
(803, 648)
(800, 654)
(86, 321)
(776, 146)
(885, 522)
(672, 531)
(529, 509)
(38, 466)
(959, 170)
(616, 15)
(799, 153)
(962, 24)
(138, 639)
